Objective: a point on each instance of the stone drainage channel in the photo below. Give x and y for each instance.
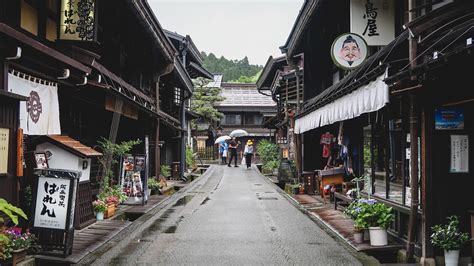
(164, 218)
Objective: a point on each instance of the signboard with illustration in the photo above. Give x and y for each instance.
(449, 119)
(348, 51)
(374, 20)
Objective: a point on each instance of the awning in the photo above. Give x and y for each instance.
(366, 99)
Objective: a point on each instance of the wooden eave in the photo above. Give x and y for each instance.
(301, 25)
(148, 19)
(196, 70)
(42, 48)
(72, 145)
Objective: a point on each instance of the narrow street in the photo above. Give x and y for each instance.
(234, 216)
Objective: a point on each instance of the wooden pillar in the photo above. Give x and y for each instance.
(427, 126)
(157, 149)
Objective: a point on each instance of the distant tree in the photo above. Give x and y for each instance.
(232, 70)
(203, 99)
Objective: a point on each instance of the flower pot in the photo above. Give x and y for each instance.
(359, 237)
(378, 236)
(18, 255)
(110, 211)
(99, 216)
(451, 257)
(366, 235)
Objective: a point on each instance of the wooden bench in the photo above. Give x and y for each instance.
(340, 199)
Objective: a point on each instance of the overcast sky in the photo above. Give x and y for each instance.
(232, 28)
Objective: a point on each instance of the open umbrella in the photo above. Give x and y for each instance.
(222, 138)
(238, 133)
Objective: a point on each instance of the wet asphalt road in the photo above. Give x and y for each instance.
(233, 216)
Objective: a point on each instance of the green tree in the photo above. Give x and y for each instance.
(203, 100)
(232, 70)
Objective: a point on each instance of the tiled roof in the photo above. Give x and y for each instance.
(74, 146)
(243, 94)
(216, 83)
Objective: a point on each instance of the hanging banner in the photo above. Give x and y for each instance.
(374, 20)
(4, 142)
(459, 154)
(77, 22)
(133, 178)
(40, 114)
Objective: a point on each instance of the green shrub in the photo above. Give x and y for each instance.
(372, 214)
(448, 236)
(269, 154)
(153, 183)
(165, 170)
(189, 158)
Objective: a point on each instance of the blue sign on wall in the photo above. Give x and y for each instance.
(449, 118)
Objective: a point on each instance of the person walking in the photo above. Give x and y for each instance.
(223, 152)
(248, 151)
(233, 152)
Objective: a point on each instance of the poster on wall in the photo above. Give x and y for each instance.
(449, 119)
(4, 142)
(374, 20)
(133, 180)
(348, 51)
(459, 154)
(52, 199)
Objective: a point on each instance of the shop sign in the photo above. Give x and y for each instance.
(348, 51)
(459, 154)
(133, 178)
(4, 142)
(52, 201)
(77, 20)
(374, 20)
(449, 119)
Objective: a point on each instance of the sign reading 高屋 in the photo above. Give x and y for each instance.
(374, 20)
(77, 20)
(52, 203)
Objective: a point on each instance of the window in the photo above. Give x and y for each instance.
(177, 96)
(231, 119)
(29, 18)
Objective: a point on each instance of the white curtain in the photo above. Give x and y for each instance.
(366, 99)
(40, 114)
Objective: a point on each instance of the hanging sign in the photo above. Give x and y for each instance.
(40, 114)
(77, 21)
(459, 154)
(348, 51)
(449, 119)
(374, 20)
(4, 142)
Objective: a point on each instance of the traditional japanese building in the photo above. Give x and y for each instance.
(391, 117)
(244, 108)
(97, 82)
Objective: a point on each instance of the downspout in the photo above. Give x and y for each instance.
(184, 49)
(413, 145)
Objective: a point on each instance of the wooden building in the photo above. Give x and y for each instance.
(110, 79)
(393, 117)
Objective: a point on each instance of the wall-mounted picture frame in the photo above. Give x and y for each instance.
(41, 160)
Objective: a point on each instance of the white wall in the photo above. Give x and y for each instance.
(62, 159)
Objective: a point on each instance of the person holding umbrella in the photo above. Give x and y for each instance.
(233, 152)
(223, 146)
(248, 151)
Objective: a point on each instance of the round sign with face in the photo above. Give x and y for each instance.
(349, 50)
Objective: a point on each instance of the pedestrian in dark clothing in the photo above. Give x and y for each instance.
(233, 152)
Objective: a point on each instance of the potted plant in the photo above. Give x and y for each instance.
(448, 237)
(377, 217)
(352, 211)
(19, 243)
(153, 185)
(11, 212)
(100, 207)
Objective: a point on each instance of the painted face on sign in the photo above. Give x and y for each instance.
(350, 51)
